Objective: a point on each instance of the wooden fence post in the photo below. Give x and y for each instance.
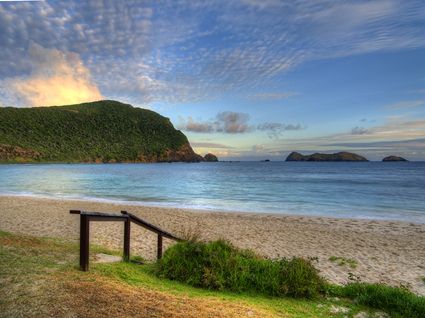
(127, 240)
(84, 242)
(159, 248)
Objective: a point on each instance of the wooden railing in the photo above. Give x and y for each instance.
(127, 218)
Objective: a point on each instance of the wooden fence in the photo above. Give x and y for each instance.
(127, 218)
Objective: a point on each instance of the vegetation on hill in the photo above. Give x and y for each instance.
(104, 131)
(339, 156)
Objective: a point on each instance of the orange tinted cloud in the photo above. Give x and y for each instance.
(57, 78)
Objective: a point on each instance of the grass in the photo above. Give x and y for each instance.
(144, 276)
(400, 302)
(39, 277)
(220, 266)
(341, 261)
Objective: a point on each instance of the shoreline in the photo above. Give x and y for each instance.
(172, 205)
(384, 251)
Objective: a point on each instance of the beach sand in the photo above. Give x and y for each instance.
(385, 251)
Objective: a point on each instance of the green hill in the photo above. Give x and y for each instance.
(104, 131)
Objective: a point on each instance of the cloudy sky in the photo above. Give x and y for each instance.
(243, 79)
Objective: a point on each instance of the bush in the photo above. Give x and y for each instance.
(220, 266)
(300, 278)
(397, 301)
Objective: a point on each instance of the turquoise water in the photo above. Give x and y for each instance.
(373, 190)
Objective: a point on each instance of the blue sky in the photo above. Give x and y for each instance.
(243, 79)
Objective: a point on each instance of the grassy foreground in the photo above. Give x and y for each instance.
(39, 278)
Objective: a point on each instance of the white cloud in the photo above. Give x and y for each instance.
(275, 130)
(211, 145)
(263, 4)
(187, 58)
(272, 96)
(56, 78)
(359, 131)
(235, 123)
(406, 104)
(258, 148)
(225, 122)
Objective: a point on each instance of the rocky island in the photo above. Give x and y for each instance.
(340, 156)
(103, 131)
(209, 157)
(393, 158)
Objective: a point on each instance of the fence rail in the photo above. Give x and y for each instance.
(149, 226)
(127, 218)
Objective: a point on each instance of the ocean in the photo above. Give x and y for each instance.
(368, 190)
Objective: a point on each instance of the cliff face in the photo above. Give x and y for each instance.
(183, 154)
(394, 158)
(10, 153)
(340, 156)
(104, 131)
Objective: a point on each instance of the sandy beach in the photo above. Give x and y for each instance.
(384, 251)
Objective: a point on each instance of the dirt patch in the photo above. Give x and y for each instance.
(98, 297)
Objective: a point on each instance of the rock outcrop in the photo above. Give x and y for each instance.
(209, 157)
(394, 158)
(340, 156)
(183, 154)
(10, 153)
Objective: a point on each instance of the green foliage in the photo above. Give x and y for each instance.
(106, 130)
(300, 278)
(400, 302)
(220, 266)
(341, 261)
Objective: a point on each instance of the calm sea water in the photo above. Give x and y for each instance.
(372, 190)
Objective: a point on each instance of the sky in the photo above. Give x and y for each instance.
(243, 79)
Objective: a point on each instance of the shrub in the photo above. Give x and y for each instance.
(220, 266)
(397, 301)
(300, 278)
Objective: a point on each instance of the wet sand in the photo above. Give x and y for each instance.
(384, 251)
